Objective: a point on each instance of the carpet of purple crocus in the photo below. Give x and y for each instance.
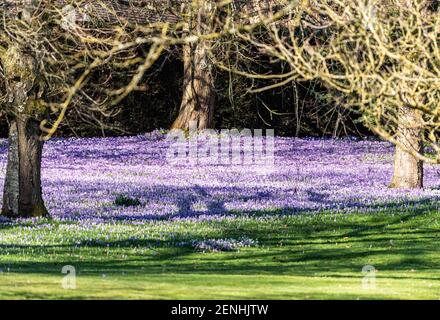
(82, 177)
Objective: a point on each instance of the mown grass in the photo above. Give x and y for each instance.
(307, 256)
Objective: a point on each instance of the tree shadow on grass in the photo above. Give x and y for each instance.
(164, 202)
(322, 262)
(298, 250)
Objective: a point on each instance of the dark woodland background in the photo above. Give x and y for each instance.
(299, 109)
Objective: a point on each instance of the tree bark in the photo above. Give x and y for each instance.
(198, 99)
(22, 195)
(408, 169)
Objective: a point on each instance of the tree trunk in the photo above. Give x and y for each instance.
(198, 98)
(408, 170)
(198, 89)
(22, 195)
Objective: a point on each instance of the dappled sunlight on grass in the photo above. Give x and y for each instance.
(299, 257)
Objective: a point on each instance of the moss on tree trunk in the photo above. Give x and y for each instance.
(22, 195)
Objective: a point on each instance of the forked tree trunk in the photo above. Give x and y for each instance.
(198, 97)
(408, 170)
(22, 195)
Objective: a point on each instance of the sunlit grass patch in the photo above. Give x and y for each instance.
(306, 256)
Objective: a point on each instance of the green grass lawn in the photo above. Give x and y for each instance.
(306, 256)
